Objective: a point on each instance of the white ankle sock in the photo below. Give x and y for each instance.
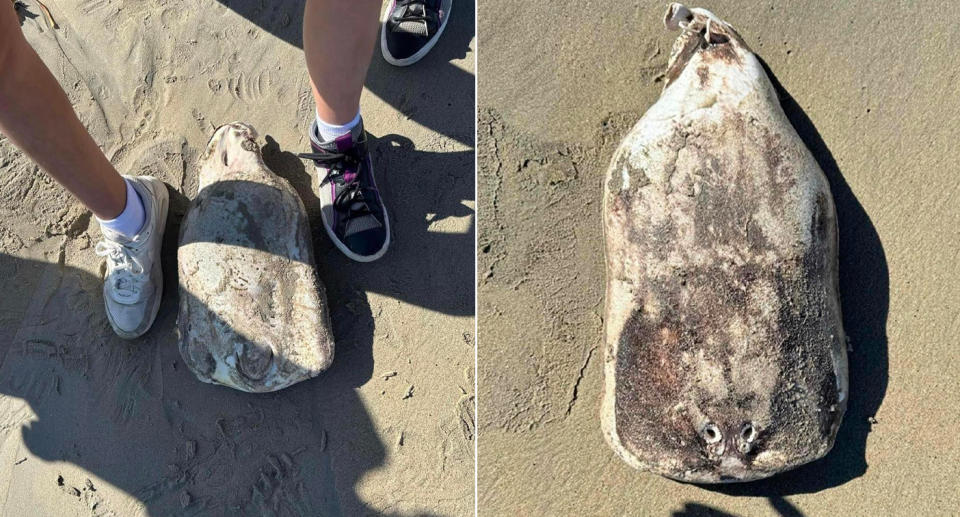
(329, 132)
(130, 221)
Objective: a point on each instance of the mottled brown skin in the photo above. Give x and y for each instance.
(725, 347)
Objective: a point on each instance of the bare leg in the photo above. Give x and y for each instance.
(37, 117)
(338, 40)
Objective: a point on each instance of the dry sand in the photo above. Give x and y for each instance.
(874, 91)
(93, 425)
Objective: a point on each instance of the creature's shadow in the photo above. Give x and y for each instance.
(865, 299)
(448, 89)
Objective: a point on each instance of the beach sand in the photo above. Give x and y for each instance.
(91, 425)
(873, 90)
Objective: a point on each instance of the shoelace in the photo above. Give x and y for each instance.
(411, 15)
(350, 198)
(126, 269)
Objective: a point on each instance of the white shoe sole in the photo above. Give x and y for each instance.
(420, 53)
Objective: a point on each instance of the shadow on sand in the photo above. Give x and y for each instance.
(865, 298)
(700, 510)
(781, 506)
(132, 414)
(433, 92)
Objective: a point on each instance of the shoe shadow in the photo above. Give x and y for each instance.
(865, 301)
(434, 92)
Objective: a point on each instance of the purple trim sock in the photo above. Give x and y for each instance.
(329, 132)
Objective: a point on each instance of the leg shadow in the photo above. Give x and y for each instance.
(865, 299)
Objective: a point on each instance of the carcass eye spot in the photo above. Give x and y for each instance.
(711, 434)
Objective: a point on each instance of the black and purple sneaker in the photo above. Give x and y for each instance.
(350, 204)
(412, 28)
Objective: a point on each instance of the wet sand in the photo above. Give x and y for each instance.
(91, 425)
(873, 92)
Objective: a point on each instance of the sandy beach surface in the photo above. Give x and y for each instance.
(873, 90)
(91, 425)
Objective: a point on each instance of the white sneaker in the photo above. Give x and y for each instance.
(133, 285)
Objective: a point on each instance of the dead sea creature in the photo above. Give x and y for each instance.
(253, 313)
(725, 352)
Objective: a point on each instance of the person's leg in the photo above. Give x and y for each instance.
(338, 41)
(37, 117)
